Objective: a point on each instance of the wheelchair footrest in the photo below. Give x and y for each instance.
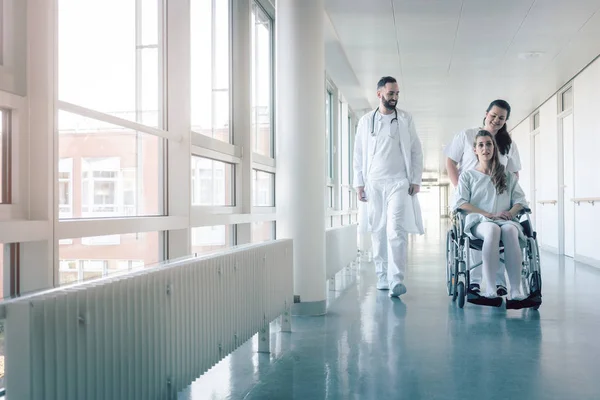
(484, 301)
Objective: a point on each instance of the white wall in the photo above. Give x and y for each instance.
(586, 107)
(522, 137)
(540, 175)
(546, 178)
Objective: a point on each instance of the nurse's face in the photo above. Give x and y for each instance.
(388, 95)
(495, 119)
(484, 148)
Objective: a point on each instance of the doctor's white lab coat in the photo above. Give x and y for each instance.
(413, 159)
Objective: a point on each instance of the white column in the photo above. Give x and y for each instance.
(38, 258)
(300, 146)
(179, 121)
(241, 93)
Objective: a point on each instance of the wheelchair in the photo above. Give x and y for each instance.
(459, 265)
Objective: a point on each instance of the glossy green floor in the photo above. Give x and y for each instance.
(423, 346)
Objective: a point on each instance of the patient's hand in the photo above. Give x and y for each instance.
(504, 215)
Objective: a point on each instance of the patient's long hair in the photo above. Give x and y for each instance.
(496, 168)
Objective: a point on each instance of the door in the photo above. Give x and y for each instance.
(568, 187)
(537, 209)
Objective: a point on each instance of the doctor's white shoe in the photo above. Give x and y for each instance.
(397, 289)
(382, 283)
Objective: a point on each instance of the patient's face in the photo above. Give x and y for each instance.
(484, 148)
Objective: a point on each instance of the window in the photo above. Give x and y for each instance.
(5, 157)
(2, 273)
(95, 257)
(206, 239)
(100, 177)
(350, 150)
(262, 81)
(115, 68)
(566, 99)
(535, 121)
(264, 189)
(346, 199)
(104, 240)
(210, 68)
(65, 188)
(329, 133)
(107, 171)
(340, 145)
(212, 183)
(263, 231)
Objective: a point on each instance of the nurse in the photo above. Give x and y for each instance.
(461, 158)
(388, 166)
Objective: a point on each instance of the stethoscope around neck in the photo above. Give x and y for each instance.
(373, 120)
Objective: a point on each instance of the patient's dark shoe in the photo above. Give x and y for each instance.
(533, 300)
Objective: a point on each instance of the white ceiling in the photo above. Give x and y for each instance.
(453, 57)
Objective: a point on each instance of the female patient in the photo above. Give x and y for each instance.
(492, 198)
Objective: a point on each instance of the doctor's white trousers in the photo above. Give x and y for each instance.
(386, 200)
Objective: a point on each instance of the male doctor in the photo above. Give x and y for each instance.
(388, 166)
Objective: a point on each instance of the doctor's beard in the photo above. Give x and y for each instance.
(388, 104)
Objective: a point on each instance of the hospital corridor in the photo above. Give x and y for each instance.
(423, 346)
(299, 199)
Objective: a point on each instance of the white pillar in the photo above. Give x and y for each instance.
(300, 147)
(241, 111)
(178, 117)
(38, 258)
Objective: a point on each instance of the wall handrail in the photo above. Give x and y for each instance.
(591, 200)
(553, 202)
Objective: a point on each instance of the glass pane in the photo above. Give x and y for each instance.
(102, 68)
(150, 22)
(536, 120)
(2, 157)
(567, 99)
(98, 256)
(210, 68)
(264, 189)
(328, 133)
(212, 183)
(263, 231)
(149, 113)
(112, 172)
(220, 122)
(261, 82)
(350, 150)
(345, 199)
(212, 238)
(1, 274)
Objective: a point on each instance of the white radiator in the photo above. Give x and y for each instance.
(149, 334)
(341, 249)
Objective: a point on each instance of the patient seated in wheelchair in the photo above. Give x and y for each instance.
(492, 200)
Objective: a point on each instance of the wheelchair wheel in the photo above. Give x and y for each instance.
(535, 276)
(461, 294)
(451, 265)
